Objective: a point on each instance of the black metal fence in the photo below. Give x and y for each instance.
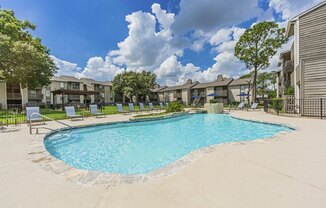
(303, 107)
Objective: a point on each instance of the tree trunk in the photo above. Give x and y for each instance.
(254, 86)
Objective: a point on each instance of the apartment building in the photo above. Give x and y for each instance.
(62, 90)
(177, 93)
(239, 89)
(304, 65)
(223, 90)
(218, 90)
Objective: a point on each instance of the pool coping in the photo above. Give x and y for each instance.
(40, 156)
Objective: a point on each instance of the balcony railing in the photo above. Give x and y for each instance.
(177, 95)
(14, 96)
(222, 93)
(288, 67)
(35, 96)
(298, 74)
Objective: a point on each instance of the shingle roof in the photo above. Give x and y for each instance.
(216, 83)
(92, 81)
(63, 78)
(187, 85)
(158, 88)
(240, 81)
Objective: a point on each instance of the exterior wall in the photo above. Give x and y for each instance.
(209, 90)
(312, 53)
(3, 95)
(107, 94)
(234, 91)
(186, 96)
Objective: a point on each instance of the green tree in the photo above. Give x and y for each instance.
(134, 84)
(23, 58)
(257, 45)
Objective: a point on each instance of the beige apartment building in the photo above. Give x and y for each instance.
(177, 93)
(223, 90)
(218, 90)
(239, 87)
(62, 90)
(304, 65)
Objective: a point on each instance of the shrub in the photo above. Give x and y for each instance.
(277, 104)
(175, 106)
(289, 91)
(213, 101)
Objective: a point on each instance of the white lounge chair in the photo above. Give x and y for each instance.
(241, 105)
(120, 109)
(151, 106)
(32, 115)
(162, 106)
(142, 107)
(95, 112)
(254, 106)
(71, 113)
(131, 107)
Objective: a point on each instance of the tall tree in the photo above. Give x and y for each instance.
(23, 58)
(134, 84)
(257, 45)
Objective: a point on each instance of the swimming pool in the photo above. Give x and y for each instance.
(141, 147)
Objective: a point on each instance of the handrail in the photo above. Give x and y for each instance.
(46, 117)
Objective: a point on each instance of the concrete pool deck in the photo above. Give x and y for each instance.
(289, 171)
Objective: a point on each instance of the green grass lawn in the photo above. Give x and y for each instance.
(56, 114)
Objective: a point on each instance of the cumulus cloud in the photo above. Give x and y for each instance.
(156, 40)
(65, 67)
(97, 68)
(290, 8)
(144, 46)
(100, 69)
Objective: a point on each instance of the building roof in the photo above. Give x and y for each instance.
(64, 78)
(308, 11)
(92, 81)
(87, 81)
(240, 81)
(158, 88)
(216, 83)
(290, 26)
(189, 84)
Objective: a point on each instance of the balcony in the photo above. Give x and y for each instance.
(288, 67)
(222, 93)
(298, 74)
(38, 96)
(14, 96)
(177, 95)
(73, 97)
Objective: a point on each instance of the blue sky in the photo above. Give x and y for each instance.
(190, 38)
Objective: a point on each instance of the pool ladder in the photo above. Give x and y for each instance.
(48, 118)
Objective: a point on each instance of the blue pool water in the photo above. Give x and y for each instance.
(136, 148)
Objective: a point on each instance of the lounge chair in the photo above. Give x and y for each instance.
(142, 108)
(31, 117)
(151, 106)
(254, 106)
(131, 107)
(71, 113)
(94, 111)
(1, 124)
(120, 109)
(161, 106)
(241, 105)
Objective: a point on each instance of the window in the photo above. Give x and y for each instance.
(62, 85)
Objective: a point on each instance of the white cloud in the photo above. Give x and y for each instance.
(290, 8)
(65, 67)
(211, 23)
(100, 69)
